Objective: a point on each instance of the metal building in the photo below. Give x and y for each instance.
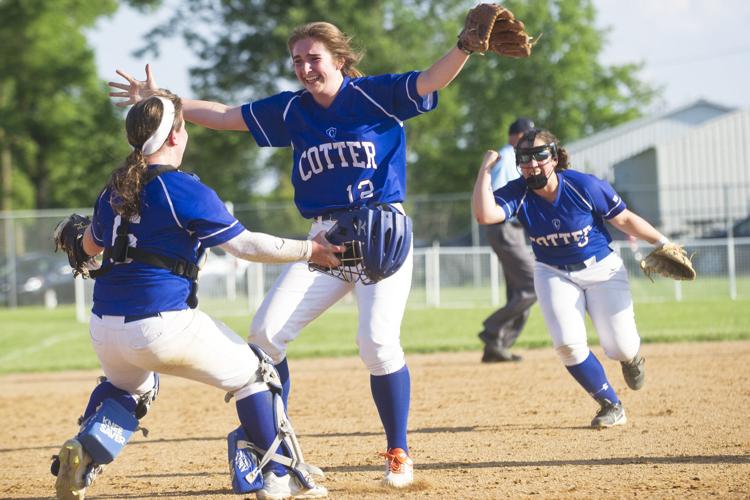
(687, 170)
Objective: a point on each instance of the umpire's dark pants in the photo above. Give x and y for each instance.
(502, 328)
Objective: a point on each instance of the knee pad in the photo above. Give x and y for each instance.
(266, 377)
(144, 402)
(572, 354)
(106, 432)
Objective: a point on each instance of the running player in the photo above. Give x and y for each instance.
(347, 135)
(153, 222)
(576, 271)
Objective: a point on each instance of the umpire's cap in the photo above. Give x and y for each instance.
(520, 126)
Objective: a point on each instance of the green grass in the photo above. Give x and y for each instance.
(35, 339)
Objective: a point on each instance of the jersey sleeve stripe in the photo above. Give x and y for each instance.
(286, 109)
(395, 118)
(260, 127)
(579, 194)
(506, 208)
(426, 100)
(219, 231)
(169, 200)
(606, 216)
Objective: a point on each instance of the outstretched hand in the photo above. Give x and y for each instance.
(134, 90)
(324, 253)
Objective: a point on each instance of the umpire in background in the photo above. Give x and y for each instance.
(508, 240)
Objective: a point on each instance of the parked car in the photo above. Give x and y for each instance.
(740, 229)
(41, 279)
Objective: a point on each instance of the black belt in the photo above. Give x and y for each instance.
(579, 266)
(135, 317)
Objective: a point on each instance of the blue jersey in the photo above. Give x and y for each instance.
(179, 218)
(571, 229)
(352, 153)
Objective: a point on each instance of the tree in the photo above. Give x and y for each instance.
(562, 86)
(59, 133)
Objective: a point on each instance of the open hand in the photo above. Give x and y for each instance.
(134, 90)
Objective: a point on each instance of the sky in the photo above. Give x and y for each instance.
(692, 49)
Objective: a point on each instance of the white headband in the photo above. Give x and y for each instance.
(156, 140)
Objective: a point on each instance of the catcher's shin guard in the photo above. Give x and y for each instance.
(246, 459)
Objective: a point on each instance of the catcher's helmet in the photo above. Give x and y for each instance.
(377, 242)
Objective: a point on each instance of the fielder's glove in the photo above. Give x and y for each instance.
(68, 236)
(490, 27)
(670, 261)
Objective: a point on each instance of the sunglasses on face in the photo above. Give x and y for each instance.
(539, 153)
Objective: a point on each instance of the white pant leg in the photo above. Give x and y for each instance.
(381, 309)
(563, 305)
(188, 344)
(610, 306)
(122, 373)
(297, 297)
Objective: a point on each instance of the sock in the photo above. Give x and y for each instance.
(286, 383)
(106, 390)
(256, 413)
(590, 374)
(391, 394)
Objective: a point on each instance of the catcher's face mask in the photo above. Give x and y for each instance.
(542, 155)
(539, 153)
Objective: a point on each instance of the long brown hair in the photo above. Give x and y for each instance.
(337, 43)
(126, 182)
(548, 137)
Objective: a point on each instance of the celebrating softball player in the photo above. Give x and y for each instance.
(347, 135)
(576, 271)
(153, 222)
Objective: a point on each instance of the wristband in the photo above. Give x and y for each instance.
(661, 241)
(461, 47)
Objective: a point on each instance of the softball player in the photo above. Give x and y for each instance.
(575, 271)
(347, 135)
(153, 223)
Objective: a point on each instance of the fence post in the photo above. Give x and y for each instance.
(255, 285)
(731, 265)
(80, 292)
(432, 275)
(10, 250)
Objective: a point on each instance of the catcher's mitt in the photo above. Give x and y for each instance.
(68, 236)
(670, 261)
(490, 27)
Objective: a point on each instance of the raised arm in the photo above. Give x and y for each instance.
(442, 72)
(483, 204)
(207, 114)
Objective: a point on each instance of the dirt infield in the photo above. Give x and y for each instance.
(477, 431)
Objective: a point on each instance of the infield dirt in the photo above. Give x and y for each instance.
(476, 430)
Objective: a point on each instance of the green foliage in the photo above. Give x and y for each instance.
(34, 339)
(59, 126)
(562, 86)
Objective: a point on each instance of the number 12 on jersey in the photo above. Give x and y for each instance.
(364, 188)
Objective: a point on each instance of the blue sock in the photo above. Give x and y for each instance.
(106, 390)
(256, 414)
(590, 374)
(391, 394)
(286, 383)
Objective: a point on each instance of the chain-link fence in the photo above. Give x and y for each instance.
(453, 264)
